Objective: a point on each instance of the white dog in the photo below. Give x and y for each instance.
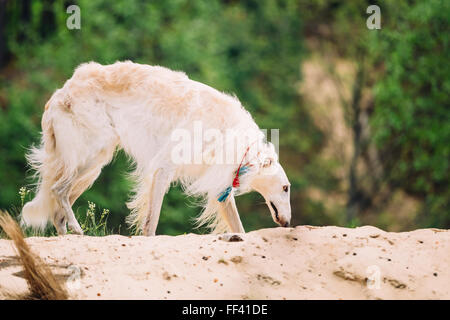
(144, 110)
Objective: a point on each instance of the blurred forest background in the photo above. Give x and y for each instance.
(363, 114)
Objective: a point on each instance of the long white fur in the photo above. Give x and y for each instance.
(134, 107)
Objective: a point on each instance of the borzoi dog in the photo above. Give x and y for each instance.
(151, 113)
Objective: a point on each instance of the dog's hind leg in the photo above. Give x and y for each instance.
(61, 191)
(83, 182)
(66, 192)
(84, 178)
(59, 221)
(229, 213)
(160, 184)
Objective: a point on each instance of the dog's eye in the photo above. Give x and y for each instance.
(285, 188)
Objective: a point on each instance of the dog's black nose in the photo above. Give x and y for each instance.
(286, 224)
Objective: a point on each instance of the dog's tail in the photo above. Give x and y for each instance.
(43, 161)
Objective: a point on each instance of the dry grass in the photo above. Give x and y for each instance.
(41, 282)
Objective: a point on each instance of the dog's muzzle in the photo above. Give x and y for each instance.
(282, 222)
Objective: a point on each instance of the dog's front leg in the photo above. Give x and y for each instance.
(229, 213)
(160, 184)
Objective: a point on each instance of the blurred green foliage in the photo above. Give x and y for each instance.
(412, 120)
(253, 49)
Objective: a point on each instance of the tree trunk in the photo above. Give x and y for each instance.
(47, 18)
(3, 47)
(354, 196)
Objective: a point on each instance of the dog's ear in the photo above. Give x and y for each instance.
(267, 162)
(264, 158)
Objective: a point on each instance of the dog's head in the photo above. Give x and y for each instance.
(269, 179)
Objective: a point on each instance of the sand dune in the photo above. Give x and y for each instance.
(280, 263)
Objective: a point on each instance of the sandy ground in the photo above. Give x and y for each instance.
(280, 263)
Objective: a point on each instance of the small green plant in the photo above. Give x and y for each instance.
(92, 225)
(354, 223)
(23, 192)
